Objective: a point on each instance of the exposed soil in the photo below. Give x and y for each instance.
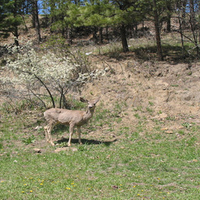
(157, 91)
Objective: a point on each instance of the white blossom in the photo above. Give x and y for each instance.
(28, 68)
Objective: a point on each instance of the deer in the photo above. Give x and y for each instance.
(70, 118)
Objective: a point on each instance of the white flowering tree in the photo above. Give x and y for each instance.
(31, 75)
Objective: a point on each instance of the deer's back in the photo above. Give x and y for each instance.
(63, 116)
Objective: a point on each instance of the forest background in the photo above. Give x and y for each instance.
(104, 19)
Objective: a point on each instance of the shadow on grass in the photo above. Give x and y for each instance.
(65, 130)
(171, 53)
(86, 141)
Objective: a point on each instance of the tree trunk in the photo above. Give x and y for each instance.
(107, 34)
(33, 19)
(181, 34)
(169, 11)
(95, 30)
(16, 34)
(168, 22)
(157, 30)
(101, 35)
(183, 13)
(123, 38)
(36, 18)
(193, 25)
(15, 31)
(69, 35)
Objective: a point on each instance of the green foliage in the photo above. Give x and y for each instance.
(1, 145)
(10, 16)
(18, 106)
(29, 140)
(98, 13)
(73, 18)
(103, 13)
(56, 41)
(56, 73)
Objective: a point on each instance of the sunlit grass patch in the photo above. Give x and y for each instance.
(137, 163)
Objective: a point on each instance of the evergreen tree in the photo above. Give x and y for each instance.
(35, 17)
(156, 12)
(157, 29)
(10, 18)
(103, 13)
(3, 16)
(127, 12)
(57, 12)
(95, 15)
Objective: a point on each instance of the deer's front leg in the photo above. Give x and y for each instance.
(79, 134)
(71, 130)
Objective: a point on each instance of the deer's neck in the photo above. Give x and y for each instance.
(88, 114)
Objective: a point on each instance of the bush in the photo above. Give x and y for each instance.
(31, 74)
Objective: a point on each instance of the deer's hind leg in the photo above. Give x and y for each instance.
(71, 130)
(47, 130)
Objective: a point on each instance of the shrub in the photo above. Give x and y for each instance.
(29, 71)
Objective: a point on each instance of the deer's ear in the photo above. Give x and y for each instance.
(97, 100)
(83, 100)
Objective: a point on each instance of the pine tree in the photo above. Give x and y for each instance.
(103, 13)
(35, 16)
(155, 11)
(127, 13)
(10, 18)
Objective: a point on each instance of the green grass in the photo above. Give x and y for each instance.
(145, 49)
(140, 164)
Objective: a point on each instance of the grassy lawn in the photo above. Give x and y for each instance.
(140, 164)
(140, 160)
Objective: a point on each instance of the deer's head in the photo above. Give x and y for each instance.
(91, 104)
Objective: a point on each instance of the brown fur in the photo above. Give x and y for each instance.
(72, 118)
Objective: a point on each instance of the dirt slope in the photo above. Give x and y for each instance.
(146, 97)
(158, 92)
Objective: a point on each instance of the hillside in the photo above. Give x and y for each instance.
(159, 91)
(142, 143)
